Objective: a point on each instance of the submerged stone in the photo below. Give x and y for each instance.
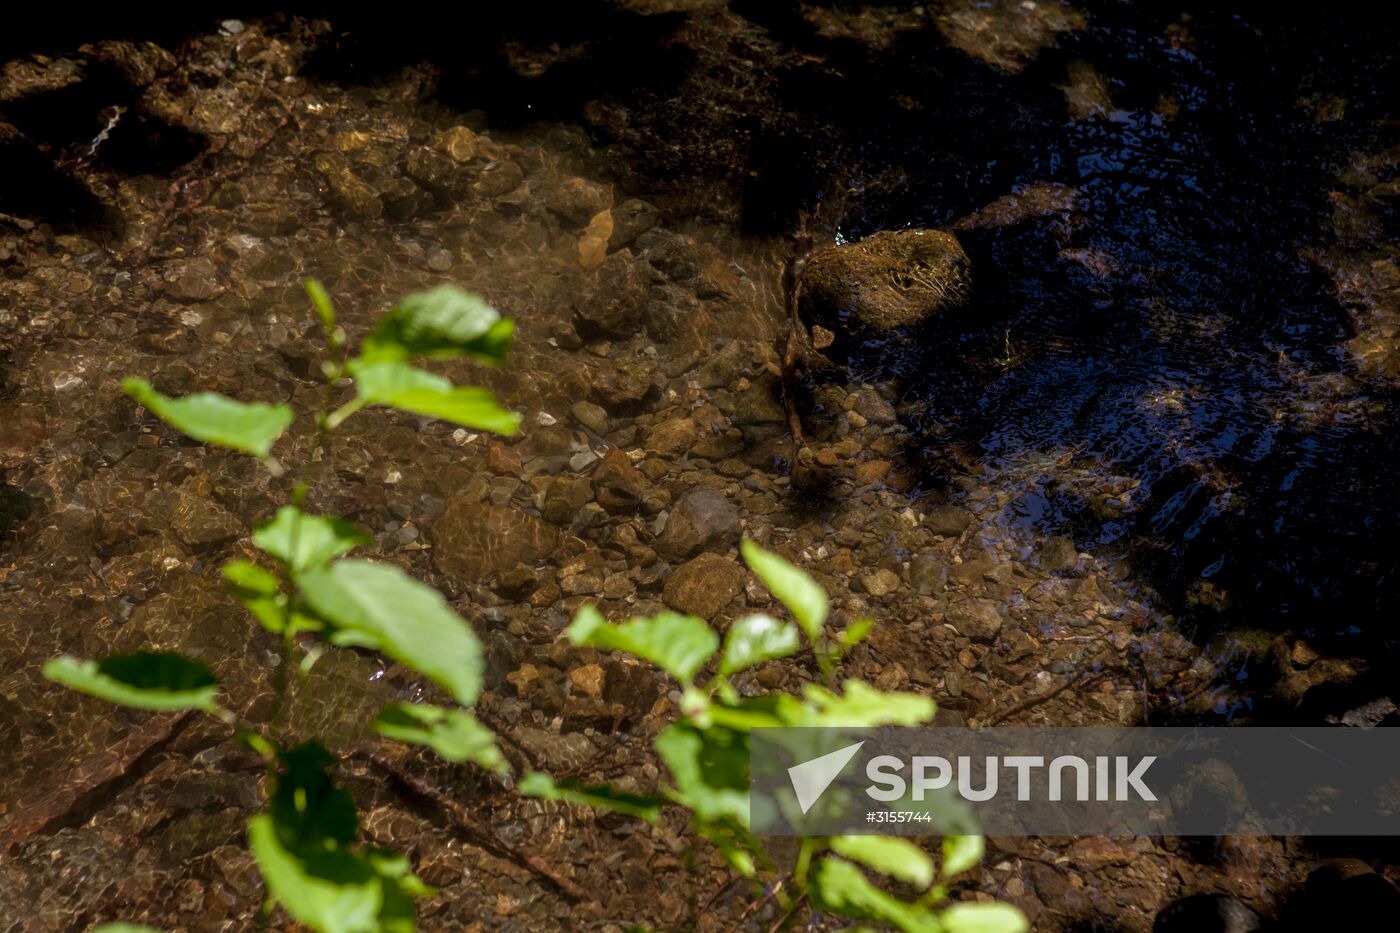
(889, 280)
(473, 540)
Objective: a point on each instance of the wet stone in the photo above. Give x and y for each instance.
(589, 680)
(928, 574)
(872, 407)
(703, 520)
(759, 404)
(578, 200)
(438, 172)
(672, 437)
(564, 498)
(618, 484)
(1057, 554)
(202, 524)
(472, 540)
(192, 281)
(498, 178)
(1207, 913)
(880, 583)
(704, 585)
(631, 219)
(351, 197)
(591, 416)
(554, 751)
(611, 298)
(978, 619)
(889, 280)
(948, 521)
(458, 143)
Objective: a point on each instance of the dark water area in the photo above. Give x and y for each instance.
(1201, 368)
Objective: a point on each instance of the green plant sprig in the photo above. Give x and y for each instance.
(706, 754)
(305, 842)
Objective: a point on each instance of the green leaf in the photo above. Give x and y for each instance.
(379, 606)
(398, 385)
(123, 928)
(144, 679)
(855, 633)
(734, 843)
(840, 888)
(260, 593)
(710, 768)
(443, 321)
(304, 542)
(969, 917)
(898, 858)
(961, 853)
(321, 301)
(307, 807)
(793, 588)
(678, 644)
(455, 734)
(598, 796)
(755, 639)
(214, 419)
(861, 705)
(335, 890)
(301, 844)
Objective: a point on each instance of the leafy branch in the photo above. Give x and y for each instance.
(315, 598)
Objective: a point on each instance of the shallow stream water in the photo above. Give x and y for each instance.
(1157, 446)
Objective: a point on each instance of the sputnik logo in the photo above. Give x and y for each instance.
(811, 778)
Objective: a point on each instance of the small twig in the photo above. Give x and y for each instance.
(785, 918)
(482, 834)
(1038, 698)
(758, 905)
(795, 349)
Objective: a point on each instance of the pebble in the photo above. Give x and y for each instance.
(704, 585)
(881, 583)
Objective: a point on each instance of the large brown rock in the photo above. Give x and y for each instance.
(704, 585)
(610, 300)
(889, 280)
(703, 520)
(474, 540)
(618, 484)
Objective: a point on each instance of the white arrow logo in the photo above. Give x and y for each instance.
(811, 778)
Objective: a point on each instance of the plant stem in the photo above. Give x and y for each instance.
(804, 862)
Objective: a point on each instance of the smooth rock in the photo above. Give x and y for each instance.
(881, 583)
(672, 437)
(591, 416)
(473, 540)
(947, 521)
(704, 585)
(564, 498)
(978, 619)
(703, 520)
(928, 574)
(1207, 913)
(631, 219)
(617, 483)
(459, 143)
(610, 299)
(889, 280)
(578, 200)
